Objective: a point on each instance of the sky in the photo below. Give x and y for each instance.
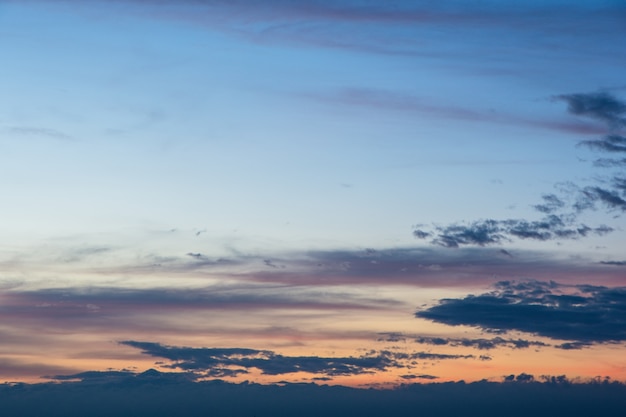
(355, 193)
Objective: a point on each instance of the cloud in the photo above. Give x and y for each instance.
(609, 198)
(41, 132)
(269, 363)
(422, 376)
(520, 395)
(483, 344)
(608, 143)
(425, 267)
(93, 303)
(560, 211)
(615, 263)
(492, 232)
(384, 100)
(579, 313)
(231, 361)
(601, 106)
(391, 337)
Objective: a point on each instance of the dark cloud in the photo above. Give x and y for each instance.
(437, 356)
(492, 232)
(608, 143)
(483, 344)
(580, 313)
(391, 337)
(602, 106)
(422, 376)
(270, 363)
(607, 197)
(551, 203)
(231, 361)
(573, 345)
(615, 263)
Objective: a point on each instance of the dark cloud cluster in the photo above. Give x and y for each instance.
(582, 313)
(490, 231)
(222, 362)
(560, 212)
(483, 344)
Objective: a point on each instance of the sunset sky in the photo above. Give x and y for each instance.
(342, 192)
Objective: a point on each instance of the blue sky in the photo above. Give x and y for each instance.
(308, 153)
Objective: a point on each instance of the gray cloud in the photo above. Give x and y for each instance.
(581, 313)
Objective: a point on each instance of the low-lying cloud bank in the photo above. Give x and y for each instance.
(156, 394)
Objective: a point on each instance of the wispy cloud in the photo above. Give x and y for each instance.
(34, 132)
(393, 101)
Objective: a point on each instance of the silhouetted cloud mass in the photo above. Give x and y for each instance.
(270, 363)
(581, 313)
(155, 394)
(220, 362)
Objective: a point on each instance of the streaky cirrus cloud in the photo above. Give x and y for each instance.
(386, 100)
(395, 28)
(579, 313)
